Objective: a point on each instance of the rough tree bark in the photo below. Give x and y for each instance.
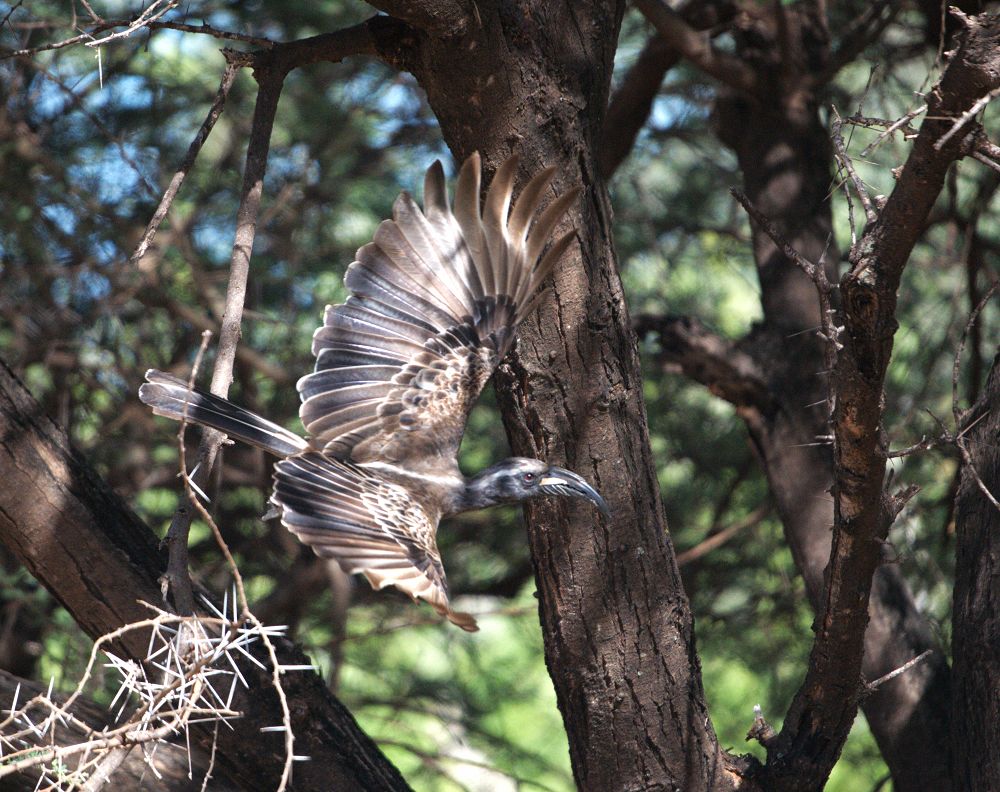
(99, 559)
(825, 706)
(779, 389)
(976, 670)
(785, 154)
(618, 630)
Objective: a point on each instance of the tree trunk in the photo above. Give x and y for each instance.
(618, 630)
(976, 671)
(785, 154)
(99, 560)
(786, 170)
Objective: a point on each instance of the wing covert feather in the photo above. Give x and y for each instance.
(367, 524)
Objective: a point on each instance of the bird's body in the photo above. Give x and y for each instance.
(435, 300)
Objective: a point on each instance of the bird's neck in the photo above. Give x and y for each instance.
(479, 492)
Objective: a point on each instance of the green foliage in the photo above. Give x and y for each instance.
(81, 325)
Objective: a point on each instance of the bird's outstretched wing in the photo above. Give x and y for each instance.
(369, 525)
(435, 299)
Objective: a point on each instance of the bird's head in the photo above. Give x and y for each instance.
(518, 479)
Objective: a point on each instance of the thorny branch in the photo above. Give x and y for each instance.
(186, 694)
(845, 162)
(820, 714)
(150, 23)
(816, 272)
(961, 416)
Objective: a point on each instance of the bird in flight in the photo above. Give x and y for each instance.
(435, 300)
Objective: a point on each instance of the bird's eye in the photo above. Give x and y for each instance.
(529, 478)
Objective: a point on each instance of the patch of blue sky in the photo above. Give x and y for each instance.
(113, 174)
(214, 241)
(61, 291)
(91, 286)
(125, 92)
(393, 98)
(104, 251)
(62, 216)
(670, 111)
(290, 163)
(173, 44)
(48, 100)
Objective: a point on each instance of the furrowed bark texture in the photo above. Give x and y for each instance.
(785, 154)
(823, 710)
(618, 630)
(976, 670)
(84, 544)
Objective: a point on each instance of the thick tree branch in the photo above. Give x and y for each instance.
(445, 18)
(697, 47)
(707, 358)
(976, 672)
(632, 102)
(98, 559)
(824, 708)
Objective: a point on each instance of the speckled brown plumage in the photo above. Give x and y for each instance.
(434, 302)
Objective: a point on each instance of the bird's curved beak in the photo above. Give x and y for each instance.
(564, 482)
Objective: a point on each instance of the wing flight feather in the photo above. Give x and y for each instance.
(435, 299)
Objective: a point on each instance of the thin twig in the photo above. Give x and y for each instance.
(228, 77)
(829, 332)
(270, 81)
(177, 578)
(901, 123)
(871, 687)
(157, 24)
(963, 119)
(721, 536)
(956, 412)
(841, 152)
(8, 15)
(150, 14)
(247, 614)
(961, 415)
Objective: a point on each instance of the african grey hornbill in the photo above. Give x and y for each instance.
(435, 300)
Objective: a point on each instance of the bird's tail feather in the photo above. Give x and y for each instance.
(171, 397)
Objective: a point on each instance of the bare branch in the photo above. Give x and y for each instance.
(149, 15)
(961, 416)
(149, 23)
(871, 687)
(828, 331)
(629, 107)
(967, 116)
(820, 715)
(956, 411)
(697, 47)
(719, 536)
(709, 359)
(848, 165)
(270, 81)
(901, 123)
(228, 77)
